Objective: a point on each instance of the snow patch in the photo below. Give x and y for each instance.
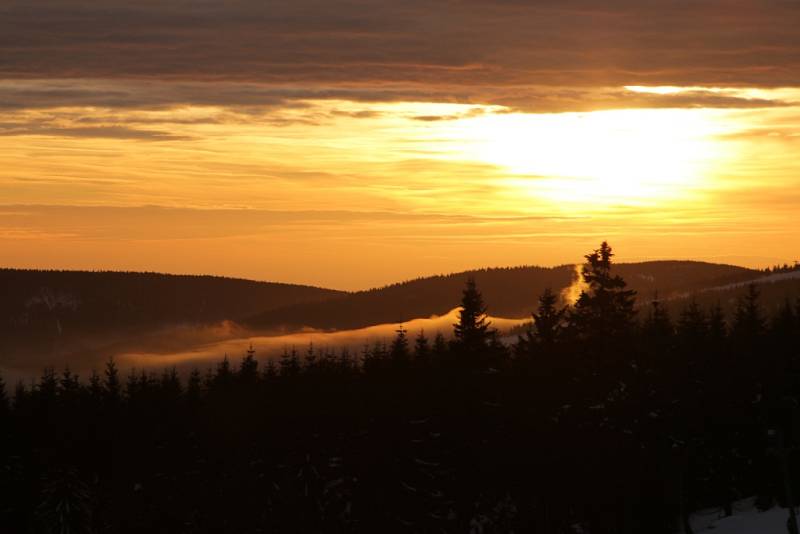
(746, 519)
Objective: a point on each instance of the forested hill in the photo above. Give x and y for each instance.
(510, 292)
(42, 311)
(40, 304)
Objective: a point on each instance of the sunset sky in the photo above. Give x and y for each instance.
(356, 143)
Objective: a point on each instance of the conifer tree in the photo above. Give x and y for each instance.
(224, 375)
(171, 384)
(439, 346)
(4, 400)
(132, 385)
(95, 387)
(749, 323)
(605, 310)
(310, 360)
(345, 363)
(69, 383)
(248, 370)
(270, 370)
(290, 363)
(657, 325)
(692, 325)
(797, 308)
(717, 327)
(194, 385)
(784, 322)
(21, 396)
(398, 351)
(472, 333)
(111, 386)
(422, 349)
(48, 385)
(547, 319)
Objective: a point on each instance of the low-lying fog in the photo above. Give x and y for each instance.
(186, 347)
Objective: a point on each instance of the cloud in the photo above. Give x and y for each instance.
(499, 52)
(89, 132)
(247, 101)
(166, 223)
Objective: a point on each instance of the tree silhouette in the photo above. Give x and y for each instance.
(692, 327)
(422, 349)
(194, 386)
(398, 351)
(66, 506)
(717, 326)
(472, 332)
(671, 416)
(112, 388)
(606, 308)
(290, 363)
(547, 319)
(4, 400)
(658, 324)
(749, 323)
(248, 369)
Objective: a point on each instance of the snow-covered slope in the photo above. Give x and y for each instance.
(746, 519)
(768, 279)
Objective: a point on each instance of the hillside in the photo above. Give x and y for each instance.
(39, 307)
(774, 290)
(509, 292)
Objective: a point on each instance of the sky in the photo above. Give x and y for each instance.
(356, 143)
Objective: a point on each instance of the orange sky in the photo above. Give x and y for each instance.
(360, 155)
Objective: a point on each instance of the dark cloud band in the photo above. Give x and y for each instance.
(451, 50)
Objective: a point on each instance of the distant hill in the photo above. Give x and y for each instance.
(774, 290)
(54, 317)
(38, 307)
(509, 292)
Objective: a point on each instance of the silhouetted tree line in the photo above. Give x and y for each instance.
(597, 419)
(785, 268)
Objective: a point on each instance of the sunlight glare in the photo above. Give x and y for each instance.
(634, 156)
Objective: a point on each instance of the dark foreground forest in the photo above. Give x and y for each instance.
(598, 420)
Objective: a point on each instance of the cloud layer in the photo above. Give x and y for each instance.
(500, 52)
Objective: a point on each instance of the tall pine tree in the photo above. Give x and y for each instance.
(472, 331)
(605, 309)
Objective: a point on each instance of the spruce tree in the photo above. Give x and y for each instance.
(749, 323)
(111, 386)
(422, 349)
(224, 375)
(310, 360)
(69, 383)
(171, 384)
(270, 370)
(692, 325)
(48, 385)
(398, 352)
(605, 310)
(194, 385)
(717, 327)
(4, 400)
(784, 322)
(658, 324)
(290, 363)
(248, 370)
(548, 319)
(21, 397)
(472, 333)
(95, 387)
(132, 385)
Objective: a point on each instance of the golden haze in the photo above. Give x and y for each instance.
(350, 194)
